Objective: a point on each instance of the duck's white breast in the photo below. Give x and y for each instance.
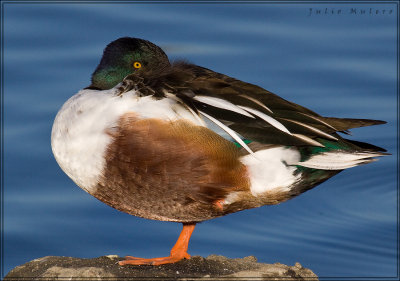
(79, 136)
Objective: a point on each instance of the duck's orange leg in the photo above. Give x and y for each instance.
(178, 252)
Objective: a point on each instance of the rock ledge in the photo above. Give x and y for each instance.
(198, 268)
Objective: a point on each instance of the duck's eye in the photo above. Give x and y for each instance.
(137, 65)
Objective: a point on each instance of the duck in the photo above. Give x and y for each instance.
(177, 142)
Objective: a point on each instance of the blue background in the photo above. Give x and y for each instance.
(341, 65)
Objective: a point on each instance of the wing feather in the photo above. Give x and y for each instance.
(247, 111)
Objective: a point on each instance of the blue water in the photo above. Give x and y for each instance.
(340, 65)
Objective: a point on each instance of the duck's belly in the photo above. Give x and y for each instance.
(149, 158)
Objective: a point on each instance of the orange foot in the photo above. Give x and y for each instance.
(178, 252)
(219, 204)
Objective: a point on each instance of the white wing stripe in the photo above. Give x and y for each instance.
(319, 120)
(256, 102)
(232, 133)
(307, 139)
(267, 119)
(338, 160)
(197, 116)
(321, 133)
(221, 103)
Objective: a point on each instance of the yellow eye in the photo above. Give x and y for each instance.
(137, 64)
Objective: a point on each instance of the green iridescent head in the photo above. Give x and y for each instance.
(125, 56)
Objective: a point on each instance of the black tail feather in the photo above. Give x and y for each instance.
(366, 146)
(343, 124)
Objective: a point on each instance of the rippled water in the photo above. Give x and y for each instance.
(341, 64)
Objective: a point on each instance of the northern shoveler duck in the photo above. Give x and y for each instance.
(182, 143)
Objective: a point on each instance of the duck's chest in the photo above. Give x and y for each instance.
(147, 157)
(83, 129)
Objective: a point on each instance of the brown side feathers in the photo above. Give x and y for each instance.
(169, 170)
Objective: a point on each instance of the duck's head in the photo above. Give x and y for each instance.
(126, 56)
